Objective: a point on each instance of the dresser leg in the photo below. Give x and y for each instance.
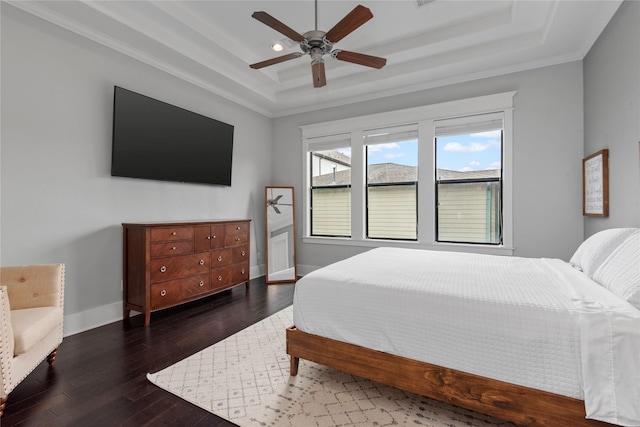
(246, 286)
(147, 317)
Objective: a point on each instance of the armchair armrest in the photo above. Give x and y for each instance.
(6, 342)
(34, 285)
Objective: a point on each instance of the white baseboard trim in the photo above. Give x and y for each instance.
(257, 271)
(85, 320)
(90, 319)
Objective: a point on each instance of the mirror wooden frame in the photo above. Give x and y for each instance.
(280, 227)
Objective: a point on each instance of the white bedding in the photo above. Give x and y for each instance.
(538, 323)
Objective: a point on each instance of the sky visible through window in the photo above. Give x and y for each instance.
(470, 152)
(476, 151)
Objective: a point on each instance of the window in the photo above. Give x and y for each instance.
(431, 176)
(392, 182)
(331, 192)
(468, 178)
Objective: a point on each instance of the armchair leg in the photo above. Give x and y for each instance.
(52, 356)
(50, 359)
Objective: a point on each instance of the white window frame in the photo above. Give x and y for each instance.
(318, 136)
(389, 134)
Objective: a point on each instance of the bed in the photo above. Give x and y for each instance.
(535, 341)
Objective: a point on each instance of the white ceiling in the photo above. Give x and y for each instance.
(212, 43)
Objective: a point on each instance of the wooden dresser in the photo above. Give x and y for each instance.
(166, 264)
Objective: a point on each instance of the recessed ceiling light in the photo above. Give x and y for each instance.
(277, 47)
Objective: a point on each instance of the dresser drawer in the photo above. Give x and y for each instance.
(163, 269)
(163, 234)
(222, 257)
(195, 285)
(235, 228)
(172, 292)
(172, 248)
(239, 273)
(240, 253)
(236, 239)
(221, 277)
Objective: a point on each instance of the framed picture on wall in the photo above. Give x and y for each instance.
(595, 184)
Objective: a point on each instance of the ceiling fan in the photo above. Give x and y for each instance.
(318, 43)
(274, 203)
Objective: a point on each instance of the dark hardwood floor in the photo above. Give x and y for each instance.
(99, 377)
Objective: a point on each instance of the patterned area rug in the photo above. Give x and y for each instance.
(245, 379)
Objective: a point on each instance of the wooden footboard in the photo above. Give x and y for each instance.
(521, 405)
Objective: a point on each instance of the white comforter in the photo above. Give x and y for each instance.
(534, 322)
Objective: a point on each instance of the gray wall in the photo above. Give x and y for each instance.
(612, 115)
(548, 148)
(59, 202)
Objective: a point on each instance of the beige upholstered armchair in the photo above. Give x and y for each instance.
(31, 313)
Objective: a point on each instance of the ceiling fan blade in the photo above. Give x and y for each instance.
(276, 209)
(277, 60)
(360, 58)
(354, 19)
(272, 22)
(317, 70)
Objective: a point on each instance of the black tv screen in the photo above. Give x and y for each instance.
(159, 141)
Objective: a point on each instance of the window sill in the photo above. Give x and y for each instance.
(373, 243)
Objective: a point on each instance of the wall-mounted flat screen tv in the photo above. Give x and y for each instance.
(159, 141)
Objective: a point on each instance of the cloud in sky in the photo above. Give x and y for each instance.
(472, 147)
(380, 147)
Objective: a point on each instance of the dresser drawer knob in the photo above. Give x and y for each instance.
(163, 293)
(243, 253)
(237, 228)
(201, 283)
(201, 262)
(237, 239)
(208, 237)
(219, 258)
(163, 269)
(242, 271)
(219, 278)
(173, 248)
(173, 234)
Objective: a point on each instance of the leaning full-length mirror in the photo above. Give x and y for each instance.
(281, 235)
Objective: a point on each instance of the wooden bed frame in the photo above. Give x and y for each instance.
(521, 405)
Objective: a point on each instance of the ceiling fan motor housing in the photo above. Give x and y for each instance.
(315, 44)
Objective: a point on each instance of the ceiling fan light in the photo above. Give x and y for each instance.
(316, 54)
(277, 47)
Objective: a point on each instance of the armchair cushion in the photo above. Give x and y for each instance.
(32, 325)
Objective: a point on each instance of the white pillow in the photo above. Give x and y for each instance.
(620, 272)
(593, 251)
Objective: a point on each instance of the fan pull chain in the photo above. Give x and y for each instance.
(316, 2)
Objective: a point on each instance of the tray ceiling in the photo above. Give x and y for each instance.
(212, 43)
